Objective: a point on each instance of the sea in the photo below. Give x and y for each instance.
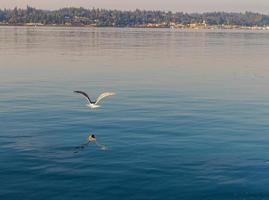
(189, 121)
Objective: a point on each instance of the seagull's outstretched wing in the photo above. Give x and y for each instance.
(85, 95)
(103, 95)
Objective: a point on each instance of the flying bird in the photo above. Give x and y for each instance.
(93, 104)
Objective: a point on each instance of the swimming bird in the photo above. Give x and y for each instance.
(91, 139)
(93, 104)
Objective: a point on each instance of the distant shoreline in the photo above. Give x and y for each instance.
(95, 17)
(226, 27)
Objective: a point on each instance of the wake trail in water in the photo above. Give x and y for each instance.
(101, 146)
(81, 147)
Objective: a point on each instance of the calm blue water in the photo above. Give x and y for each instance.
(190, 119)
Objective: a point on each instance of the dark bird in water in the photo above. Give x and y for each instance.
(91, 139)
(93, 104)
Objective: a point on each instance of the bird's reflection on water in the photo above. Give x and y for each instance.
(90, 139)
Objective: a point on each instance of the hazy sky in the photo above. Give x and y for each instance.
(174, 5)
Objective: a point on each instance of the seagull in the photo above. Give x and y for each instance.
(93, 104)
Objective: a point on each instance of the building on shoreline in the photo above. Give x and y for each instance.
(34, 24)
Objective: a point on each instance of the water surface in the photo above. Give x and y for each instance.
(190, 119)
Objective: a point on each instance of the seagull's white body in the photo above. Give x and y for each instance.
(92, 104)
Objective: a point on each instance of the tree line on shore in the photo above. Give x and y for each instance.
(118, 18)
